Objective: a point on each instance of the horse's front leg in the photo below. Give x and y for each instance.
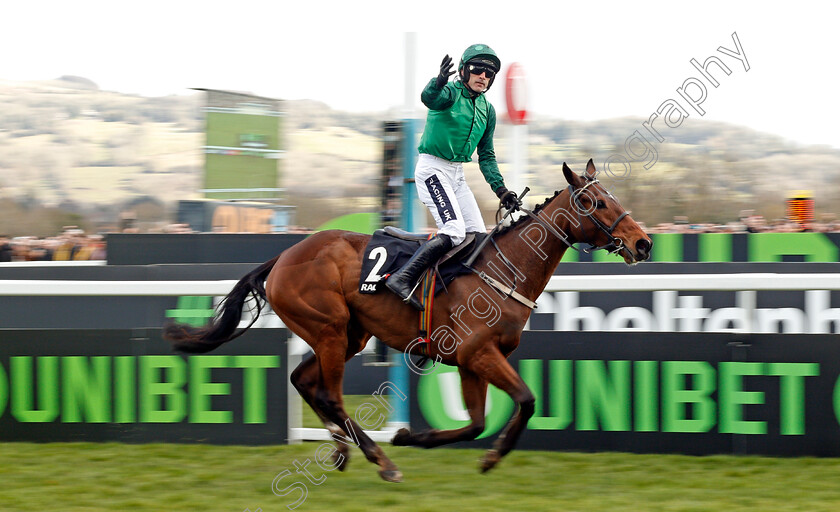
(474, 390)
(497, 370)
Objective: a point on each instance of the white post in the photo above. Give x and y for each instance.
(516, 96)
(295, 348)
(519, 157)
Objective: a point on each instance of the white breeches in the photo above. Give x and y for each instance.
(443, 189)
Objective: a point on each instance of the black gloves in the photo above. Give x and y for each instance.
(508, 198)
(445, 71)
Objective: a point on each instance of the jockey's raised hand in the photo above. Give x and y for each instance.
(445, 71)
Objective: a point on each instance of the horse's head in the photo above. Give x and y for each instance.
(602, 222)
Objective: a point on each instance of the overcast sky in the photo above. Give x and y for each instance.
(583, 60)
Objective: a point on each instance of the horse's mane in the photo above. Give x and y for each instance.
(523, 218)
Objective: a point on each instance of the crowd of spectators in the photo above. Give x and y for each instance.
(71, 244)
(748, 223)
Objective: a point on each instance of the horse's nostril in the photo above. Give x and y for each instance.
(643, 246)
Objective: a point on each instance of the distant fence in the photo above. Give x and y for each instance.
(154, 249)
(143, 249)
(733, 248)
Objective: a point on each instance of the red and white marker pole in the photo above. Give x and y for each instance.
(516, 96)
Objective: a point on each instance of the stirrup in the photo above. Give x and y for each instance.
(413, 301)
(411, 294)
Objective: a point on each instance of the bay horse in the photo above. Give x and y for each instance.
(314, 288)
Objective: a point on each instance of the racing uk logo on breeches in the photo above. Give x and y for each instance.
(441, 200)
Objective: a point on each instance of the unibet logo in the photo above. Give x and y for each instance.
(197, 310)
(441, 402)
(639, 396)
(132, 389)
(192, 310)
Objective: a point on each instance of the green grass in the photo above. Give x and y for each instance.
(90, 477)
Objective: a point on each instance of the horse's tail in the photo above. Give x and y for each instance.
(228, 315)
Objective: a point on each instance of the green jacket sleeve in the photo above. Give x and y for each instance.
(437, 98)
(487, 154)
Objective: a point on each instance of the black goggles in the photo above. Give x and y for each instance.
(477, 69)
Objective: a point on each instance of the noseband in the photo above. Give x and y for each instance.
(615, 244)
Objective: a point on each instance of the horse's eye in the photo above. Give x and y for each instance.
(600, 204)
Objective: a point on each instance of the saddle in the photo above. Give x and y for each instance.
(390, 248)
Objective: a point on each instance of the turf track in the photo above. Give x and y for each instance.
(89, 477)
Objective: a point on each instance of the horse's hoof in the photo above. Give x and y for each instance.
(402, 437)
(490, 459)
(340, 459)
(391, 475)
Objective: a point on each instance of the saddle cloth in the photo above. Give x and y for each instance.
(385, 254)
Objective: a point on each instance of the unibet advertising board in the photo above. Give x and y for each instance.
(128, 385)
(659, 392)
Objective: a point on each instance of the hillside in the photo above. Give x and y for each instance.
(68, 146)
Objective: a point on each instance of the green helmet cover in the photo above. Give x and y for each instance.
(483, 53)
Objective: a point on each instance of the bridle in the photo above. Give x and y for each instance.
(614, 244)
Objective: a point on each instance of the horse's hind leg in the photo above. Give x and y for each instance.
(305, 290)
(474, 390)
(328, 398)
(305, 379)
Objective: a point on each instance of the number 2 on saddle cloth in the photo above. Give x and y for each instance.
(385, 254)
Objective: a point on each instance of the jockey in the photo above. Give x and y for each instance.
(460, 119)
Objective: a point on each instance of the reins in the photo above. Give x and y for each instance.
(510, 292)
(495, 230)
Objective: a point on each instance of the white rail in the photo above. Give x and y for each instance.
(57, 288)
(694, 282)
(57, 263)
(588, 283)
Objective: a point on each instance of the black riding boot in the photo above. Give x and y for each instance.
(402, 281)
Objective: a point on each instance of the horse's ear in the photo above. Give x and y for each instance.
(590, 169)
(571, 177)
